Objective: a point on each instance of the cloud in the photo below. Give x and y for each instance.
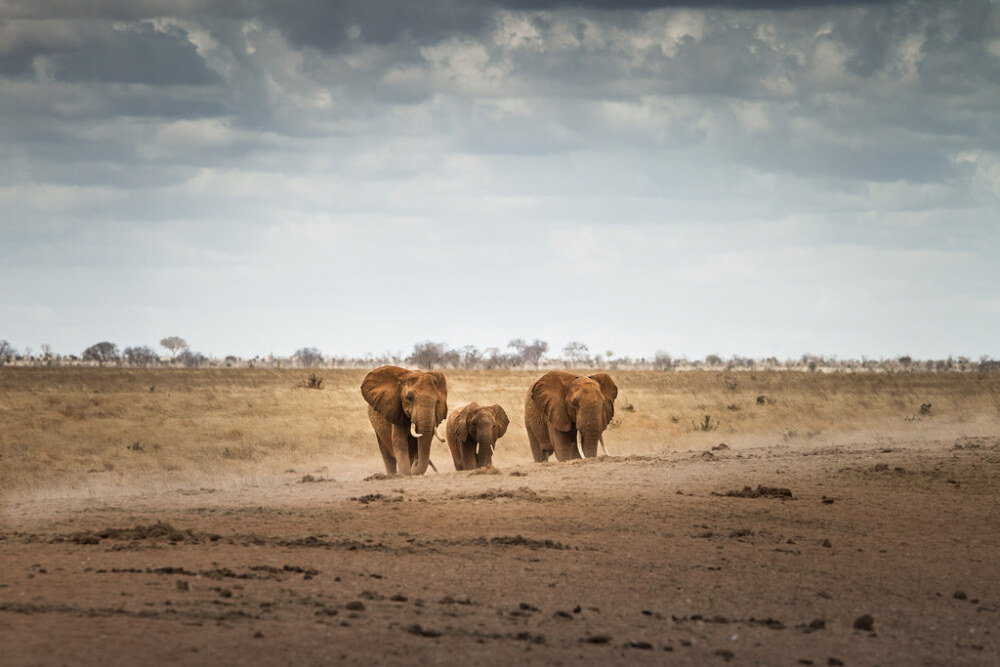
(697, 164)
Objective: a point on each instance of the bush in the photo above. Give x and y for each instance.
(101, 352)
(308, 357)
(140, 356)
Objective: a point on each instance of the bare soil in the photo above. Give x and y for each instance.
(788, 554)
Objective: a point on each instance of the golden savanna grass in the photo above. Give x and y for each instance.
(91, 431)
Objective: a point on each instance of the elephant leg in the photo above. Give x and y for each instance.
(469, 456)
(536, 448)
(455, 448)
(564, 444)
(401, 448)
(456, 457)
(387, 457)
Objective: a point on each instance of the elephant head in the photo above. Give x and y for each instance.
(574, 404)
(413, 403)
(473, 432)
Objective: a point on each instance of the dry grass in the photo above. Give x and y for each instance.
(89, 431)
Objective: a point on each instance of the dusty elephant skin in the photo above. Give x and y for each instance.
(405, 408)
(638, 560)
(472, 434)
(559, 405)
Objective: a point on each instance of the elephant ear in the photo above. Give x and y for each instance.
(549, 394)
(381, 389)
(442, 406)
(502, 421)
(462, 422)
(610, 391)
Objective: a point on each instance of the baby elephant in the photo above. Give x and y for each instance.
(475, 424)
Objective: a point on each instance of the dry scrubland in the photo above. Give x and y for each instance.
(85, 431)
(173, 516)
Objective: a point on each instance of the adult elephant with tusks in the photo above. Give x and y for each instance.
(405, 408)
(561, 405)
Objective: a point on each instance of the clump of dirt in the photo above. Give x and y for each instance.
(520, 493)
(374, 497)
(309, 478)
(379, 476)
(417, 629)
(864, 623)
(760, 492)
(485, 470)
(977, 442)
(520, 541)
(156, 531)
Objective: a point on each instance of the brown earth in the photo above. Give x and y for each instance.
(790, 554)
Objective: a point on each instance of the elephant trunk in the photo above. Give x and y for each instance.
(484, 436)
(422, 427)
(591, 426)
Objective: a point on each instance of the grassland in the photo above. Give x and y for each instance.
(89, 431)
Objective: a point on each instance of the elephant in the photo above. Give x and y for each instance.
(405, 408)
(475, 424)
(560, 404)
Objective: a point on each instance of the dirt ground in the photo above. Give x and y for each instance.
(861, 554)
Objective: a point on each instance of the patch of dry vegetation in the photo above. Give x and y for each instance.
(93, 430)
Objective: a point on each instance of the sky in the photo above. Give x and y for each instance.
(756, 178)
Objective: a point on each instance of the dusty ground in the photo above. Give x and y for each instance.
(639, 559)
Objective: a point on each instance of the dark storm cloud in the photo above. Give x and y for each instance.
(327, 25)
(118, 10)
(139, 54)
(646, 5)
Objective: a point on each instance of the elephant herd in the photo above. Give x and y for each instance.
(405, 408)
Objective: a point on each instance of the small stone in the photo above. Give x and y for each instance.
(865, 623)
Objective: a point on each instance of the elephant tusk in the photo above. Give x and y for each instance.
(413, 431)
(493, 448)
(438, 435)
(600, 439)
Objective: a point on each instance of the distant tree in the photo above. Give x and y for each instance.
(308, 356)
(471, 357)
(533, 353)
(191, 359)
(713, 360)
(174, 343)
(7, 352)
(663, 361)
(518, 345)
(576, 352)
(102, 352)
(426, 354)
(140, 356)
(451, 359)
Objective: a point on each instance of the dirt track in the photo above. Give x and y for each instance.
(640, 559)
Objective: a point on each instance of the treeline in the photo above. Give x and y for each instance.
(518, 354)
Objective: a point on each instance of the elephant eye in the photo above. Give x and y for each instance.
(409, 395)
